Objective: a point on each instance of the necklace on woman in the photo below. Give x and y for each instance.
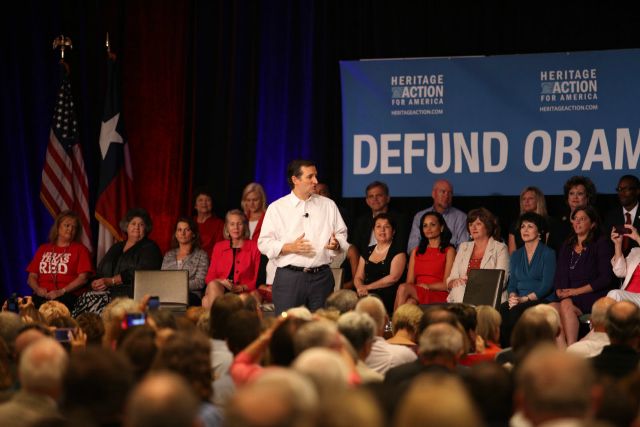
(573, 261)
(381, 251)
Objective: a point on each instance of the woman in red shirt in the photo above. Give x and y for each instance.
(61, 267)
(234, 262)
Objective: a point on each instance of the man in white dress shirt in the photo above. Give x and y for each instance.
(301, 233)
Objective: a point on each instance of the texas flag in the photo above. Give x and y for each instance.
(115, 189)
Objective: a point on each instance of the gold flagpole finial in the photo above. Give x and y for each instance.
(62, 43)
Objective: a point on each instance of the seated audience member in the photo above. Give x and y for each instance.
(440, 349)
(487, 336)
(442, 194)
(96, 386)
(485, 250)
(185, 254)
(491, 388)
(10, 326)
(350, 408)
(377, 199)
(583, 272)
(360, 329)
(280, 397)
(579, 192)
(620, 358)
(555, 386)
(254, 206)
(382, 267)
(209, 225)
(116, 270)
(162, 400)
(326, 369)
(437, 400)
(234, 262)
(7, 377)
(406, 324)
(343, 300)
(52, 310)
(531, 272)
(383, 356)
(628, 190)
(60, 269)
(91, 324)
(429, 264)
(591, 344)
(188, 355)
(626, 267)
(42, 366)
(139, 345)
(532, 201)
(536, 326)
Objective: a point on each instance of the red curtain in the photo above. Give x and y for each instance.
(154, 99)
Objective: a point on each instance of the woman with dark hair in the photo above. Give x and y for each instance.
(382, 267)
(579, 191)
(485, 250)
(583, 272)
(532, 268)
(532, 200)
(116, 269)
(60, 268)
(429, 264)
(234, 262)
(210, 226)
(185, 254)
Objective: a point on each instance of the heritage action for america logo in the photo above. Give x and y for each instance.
(569, 90)
(410, 94)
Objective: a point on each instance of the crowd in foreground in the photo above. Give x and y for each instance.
(561, 274)
(233, 365)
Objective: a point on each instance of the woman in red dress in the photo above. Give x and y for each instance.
(209, 224)
(429, 265)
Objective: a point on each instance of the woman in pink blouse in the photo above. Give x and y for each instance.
(234, 261)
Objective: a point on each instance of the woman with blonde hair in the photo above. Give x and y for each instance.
(254, 206)
(61, 268)
(234, 261)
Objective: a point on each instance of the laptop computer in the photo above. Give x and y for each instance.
(171, 286)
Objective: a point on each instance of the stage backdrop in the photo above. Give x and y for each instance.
(490, 125)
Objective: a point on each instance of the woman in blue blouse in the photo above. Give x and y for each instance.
(532, 268)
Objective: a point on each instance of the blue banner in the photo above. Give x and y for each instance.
(491, 125)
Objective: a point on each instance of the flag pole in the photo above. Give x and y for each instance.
(61, 42)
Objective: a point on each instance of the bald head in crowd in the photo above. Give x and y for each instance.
(374, 308)
(553, 384)
(162, 399)
(623, 323)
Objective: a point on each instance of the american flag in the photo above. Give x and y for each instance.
(64, 180)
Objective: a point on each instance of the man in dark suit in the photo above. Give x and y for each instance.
(378, 198)
(628, 193)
